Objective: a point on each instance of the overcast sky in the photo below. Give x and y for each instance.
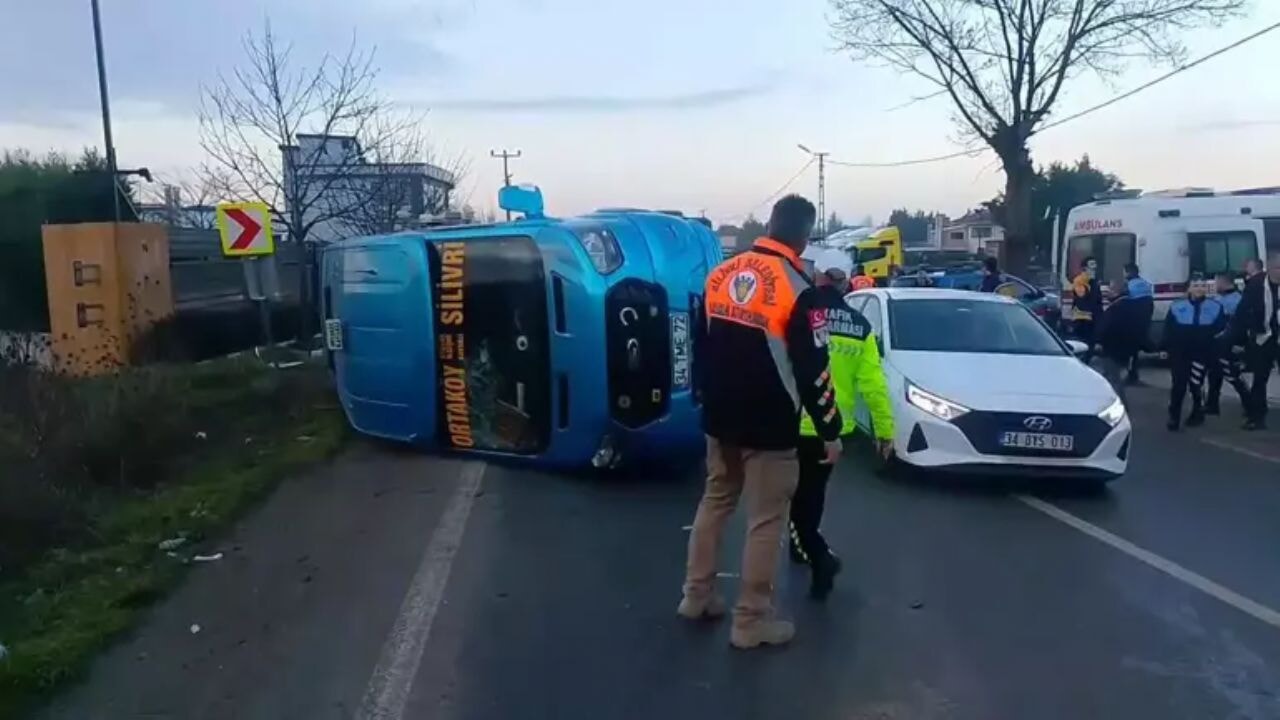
(664, 103)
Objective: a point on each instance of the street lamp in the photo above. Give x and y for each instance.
(822, 186)
(106, 106)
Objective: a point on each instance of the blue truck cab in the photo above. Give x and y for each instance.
(564, 342)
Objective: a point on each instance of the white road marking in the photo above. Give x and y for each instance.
(388, 690)
(1243, 451)
(1168, 567)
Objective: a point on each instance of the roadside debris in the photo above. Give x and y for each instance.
(195, 629)
(172, 543)
(201, 435)
(305, 438)
(206, 558)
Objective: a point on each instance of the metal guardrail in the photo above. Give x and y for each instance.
(203, 278)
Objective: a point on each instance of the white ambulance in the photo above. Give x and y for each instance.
(1170, 235)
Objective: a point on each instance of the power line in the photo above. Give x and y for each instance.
(915, 100)
(1176, 71)
(973, 152)
(780, 190)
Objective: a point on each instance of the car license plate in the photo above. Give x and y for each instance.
(680, 350)
(1038, 441)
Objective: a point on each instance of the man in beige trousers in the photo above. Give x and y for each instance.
(765, 360)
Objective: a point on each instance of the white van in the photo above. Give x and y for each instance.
(1170, 235)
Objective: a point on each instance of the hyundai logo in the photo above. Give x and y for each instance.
(1037, 422)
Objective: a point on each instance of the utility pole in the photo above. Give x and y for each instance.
(822, 188)
(506, 169)
(106, 108)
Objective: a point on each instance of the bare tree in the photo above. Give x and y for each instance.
(252, 122)
(1004, 63)
(186, 201)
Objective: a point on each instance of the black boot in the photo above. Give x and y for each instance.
(798, 557)
(824, 576)
(1175, 422)
(1212, 408)
(1196, 419)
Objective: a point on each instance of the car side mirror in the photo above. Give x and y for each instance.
(1078, 348)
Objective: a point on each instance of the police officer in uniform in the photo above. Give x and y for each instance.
(855, 369)
(1190, 330)
(1226, 365)
(1142, 294)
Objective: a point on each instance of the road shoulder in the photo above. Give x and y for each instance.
(292, 618)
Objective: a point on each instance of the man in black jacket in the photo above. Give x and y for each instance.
(1259, 325)
(991, 277)
(766, 360)
(1120, 334)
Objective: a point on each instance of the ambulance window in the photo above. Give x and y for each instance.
(1112, 251)
(1271, 229)
(1214, 252)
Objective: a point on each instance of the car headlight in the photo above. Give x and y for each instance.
(602, 248)
(1113, 414)
(940, 408)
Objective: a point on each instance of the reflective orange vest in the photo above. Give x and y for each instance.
(765, 362)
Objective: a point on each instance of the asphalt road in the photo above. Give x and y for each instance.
(399, 586)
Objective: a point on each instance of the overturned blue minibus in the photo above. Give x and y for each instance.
(562, 342)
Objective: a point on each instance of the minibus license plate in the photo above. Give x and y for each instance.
(680, 350)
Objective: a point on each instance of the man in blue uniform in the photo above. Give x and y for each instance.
(1190, 328)
(1226, 365)
(1142, 294)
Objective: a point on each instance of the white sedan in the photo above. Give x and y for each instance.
(979, 384)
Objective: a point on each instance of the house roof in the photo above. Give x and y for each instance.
(980, 216)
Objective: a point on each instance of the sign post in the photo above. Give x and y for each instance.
(245, 231)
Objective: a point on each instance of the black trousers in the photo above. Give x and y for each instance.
(1259, 361)
(810, 500)
(1226, 367)
(1188, 373)
(1083, 331)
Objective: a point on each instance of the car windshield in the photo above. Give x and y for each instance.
(969, 326)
